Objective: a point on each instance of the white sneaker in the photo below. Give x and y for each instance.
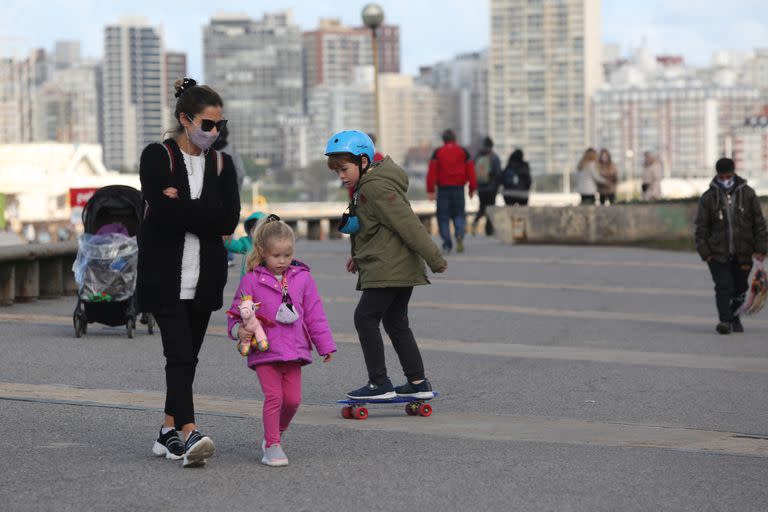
(274, 456)
(198, 449)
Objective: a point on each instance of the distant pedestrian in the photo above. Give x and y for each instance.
(610, 175)
(288, 298)
(587, 177)
(516, 179)
(730, 231)
(244, 244)
(651, 177)
(192, 201)
(488, 173)
(450, 169)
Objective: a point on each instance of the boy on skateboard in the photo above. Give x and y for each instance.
(389, 248)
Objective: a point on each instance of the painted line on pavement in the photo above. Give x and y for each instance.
(467, 425)
(307, 256)
(624, 290)
(519, 351)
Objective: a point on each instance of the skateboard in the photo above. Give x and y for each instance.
(353, 408)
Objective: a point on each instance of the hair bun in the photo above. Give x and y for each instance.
(183, 85)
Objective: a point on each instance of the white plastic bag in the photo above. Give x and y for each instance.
(105, 267)
(758, 290)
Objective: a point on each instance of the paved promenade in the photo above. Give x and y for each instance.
(572, 379)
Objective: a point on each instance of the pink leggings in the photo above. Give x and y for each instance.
(281, 384)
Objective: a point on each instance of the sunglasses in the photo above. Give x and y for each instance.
(207, 125)
(272, 217)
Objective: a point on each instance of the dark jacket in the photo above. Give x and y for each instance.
(451, 166)
(730, 223)
(392, 244)
(517, 176)
(166, 221)
(491, 184)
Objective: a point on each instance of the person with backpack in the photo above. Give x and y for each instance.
(516, 179)
(192, 201)
(488, 173)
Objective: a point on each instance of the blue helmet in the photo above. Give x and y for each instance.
(350, 141)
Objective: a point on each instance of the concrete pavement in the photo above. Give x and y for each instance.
(573, 378)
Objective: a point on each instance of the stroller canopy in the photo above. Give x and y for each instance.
(114, 204)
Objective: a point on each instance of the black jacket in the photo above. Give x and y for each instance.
(517, 176)
(730, 223)
(166, 221)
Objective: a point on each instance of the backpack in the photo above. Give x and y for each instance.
(512, 180)
(483, 169)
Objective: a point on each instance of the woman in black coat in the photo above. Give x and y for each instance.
(192, 200)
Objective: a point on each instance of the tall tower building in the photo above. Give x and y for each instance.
(175, 64)
(544, 66)
(256, 66)
(134, 91)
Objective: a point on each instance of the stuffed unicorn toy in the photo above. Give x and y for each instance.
(252, 322)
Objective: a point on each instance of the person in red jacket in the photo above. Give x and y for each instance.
(450, 169)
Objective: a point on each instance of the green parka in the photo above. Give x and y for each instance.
(392, 244)
(730, 223)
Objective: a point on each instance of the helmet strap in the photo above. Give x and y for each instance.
(360, 165)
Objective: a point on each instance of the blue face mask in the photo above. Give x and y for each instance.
(726, 183)
(349, 224)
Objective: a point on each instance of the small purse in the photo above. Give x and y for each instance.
(286, 313)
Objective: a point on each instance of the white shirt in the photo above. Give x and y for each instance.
(190, 259)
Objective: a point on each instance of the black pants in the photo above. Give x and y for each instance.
(486, 199)
(389, 305)
(182, 331)
(587, 199)
(511, 200)
(607, 198)
(731, 284)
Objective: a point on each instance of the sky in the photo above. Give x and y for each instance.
(691, 28)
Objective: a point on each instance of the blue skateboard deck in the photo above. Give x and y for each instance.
(354, 407)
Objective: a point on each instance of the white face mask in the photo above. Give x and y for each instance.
(726, 183)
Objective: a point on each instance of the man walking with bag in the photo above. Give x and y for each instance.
(730, 231)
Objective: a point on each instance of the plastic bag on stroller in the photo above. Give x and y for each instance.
(105, 267)
(758, 290)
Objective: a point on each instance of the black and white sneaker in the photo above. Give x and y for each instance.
(169, 445)
(420, 390)
(374, 392)
(197, 450)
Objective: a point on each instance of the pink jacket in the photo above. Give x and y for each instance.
(291, 342)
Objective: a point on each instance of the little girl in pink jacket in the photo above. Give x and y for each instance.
(288, 296)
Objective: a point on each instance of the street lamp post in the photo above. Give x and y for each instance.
(373, 17)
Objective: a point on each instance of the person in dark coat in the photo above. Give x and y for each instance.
(516, 179)
(730, 232)
(192, 200)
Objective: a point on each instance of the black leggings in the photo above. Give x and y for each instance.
(182, 331)
(389, 305)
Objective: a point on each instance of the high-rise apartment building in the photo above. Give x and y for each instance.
(332, 50)
(19, 80)
(683, 114)
(134, 91)
(544, 65)
(467, 76)
(256, 66)
(175, 64)
(750, 146)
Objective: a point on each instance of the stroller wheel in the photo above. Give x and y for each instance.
(130, 326)
(150, 324)
(78, 325)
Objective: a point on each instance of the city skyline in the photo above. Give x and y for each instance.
(692, 29)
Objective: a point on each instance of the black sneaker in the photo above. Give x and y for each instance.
(736, 325)
(197, 450)
(411, 390)
(169, 445)
(723, 328)
(374, 392)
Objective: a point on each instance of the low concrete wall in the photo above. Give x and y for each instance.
(618, 224)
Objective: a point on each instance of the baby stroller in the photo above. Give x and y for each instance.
(107, 259)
